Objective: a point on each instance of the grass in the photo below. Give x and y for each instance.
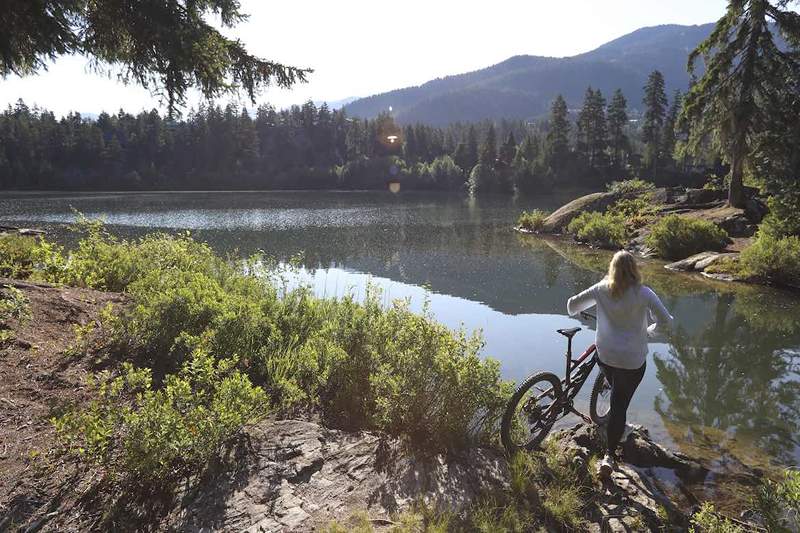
(674, 237)
(777, 503)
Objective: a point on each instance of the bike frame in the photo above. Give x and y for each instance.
(581, 368)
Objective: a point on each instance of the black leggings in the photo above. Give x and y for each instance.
(623, 384)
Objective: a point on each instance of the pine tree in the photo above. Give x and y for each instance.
(592, 128)
(743, 90)
(410, 148)
(670, 134)
(557, 143)
(488, 152)
(508, 149)
(617, 121)
(471, 158)
(655, 103)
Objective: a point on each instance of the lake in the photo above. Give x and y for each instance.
(728, 385)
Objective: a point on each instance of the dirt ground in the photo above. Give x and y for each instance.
(39, 377)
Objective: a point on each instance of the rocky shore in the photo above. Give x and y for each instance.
(710, 205)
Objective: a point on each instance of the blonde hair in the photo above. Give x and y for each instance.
(623, 273)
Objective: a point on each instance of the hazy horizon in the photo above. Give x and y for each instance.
(367, 49)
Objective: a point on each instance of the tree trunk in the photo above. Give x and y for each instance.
(736, 189)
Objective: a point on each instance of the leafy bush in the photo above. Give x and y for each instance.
(675, 237)
(782, 219)
(532, 220)
(101, 261)
(364, 366)
(407, 375)
(706, 520)
(17, 256)
(778, 502)
(154, 435)
(601, 229)
(626, 187)
(13, 305)
(773, 258)
(631, 208)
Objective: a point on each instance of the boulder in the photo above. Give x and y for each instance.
(699, 262)
(560, 219)
(703, 196)
(689, 264)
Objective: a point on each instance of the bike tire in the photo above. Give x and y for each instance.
(506, 426)
(599, 389)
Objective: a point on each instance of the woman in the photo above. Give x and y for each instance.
(623, 305)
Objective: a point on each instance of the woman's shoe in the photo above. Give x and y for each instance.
(606, 466)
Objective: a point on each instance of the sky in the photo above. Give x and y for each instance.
(364, 47)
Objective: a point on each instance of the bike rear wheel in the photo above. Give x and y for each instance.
(531, 412)
(600, 400)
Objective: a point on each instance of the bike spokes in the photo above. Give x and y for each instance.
(534, 414)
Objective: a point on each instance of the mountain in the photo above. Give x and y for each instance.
(524, 86)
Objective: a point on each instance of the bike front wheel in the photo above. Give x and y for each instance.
(531, 412)
(600, 400)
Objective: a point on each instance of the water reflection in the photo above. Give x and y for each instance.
(736, 377)
(729, 377)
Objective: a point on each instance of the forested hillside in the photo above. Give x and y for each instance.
(523, 87)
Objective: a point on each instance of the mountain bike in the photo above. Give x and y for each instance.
(543, 398)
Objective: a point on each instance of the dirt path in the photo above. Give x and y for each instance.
(38, 379)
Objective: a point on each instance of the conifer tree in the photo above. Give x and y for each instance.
(655, 104)
(472, 148)
(592, 129)
(670, 133)
(488, 152)
(557, 143)
(747, 84)
(508, 149)
(617, 121)
(167, 47)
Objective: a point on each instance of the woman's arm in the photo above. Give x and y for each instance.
(663, 320)
(582, 301)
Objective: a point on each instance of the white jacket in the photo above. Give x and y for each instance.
(622, 329)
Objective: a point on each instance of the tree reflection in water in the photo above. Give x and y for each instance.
(737, 377)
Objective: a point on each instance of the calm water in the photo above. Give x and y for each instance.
(728, 385)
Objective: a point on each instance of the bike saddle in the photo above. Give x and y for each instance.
(569, 332)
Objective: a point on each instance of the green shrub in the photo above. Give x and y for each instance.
(101, 261)
(600, 229)
(362, 365)
(633, 210)
(675, 237)
(156, 435)
(782, 219)
(625, 187)
(17, 256)
(776, 259)
(13, 305)
(532, 220)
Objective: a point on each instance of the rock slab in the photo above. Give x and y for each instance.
(292, 475)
